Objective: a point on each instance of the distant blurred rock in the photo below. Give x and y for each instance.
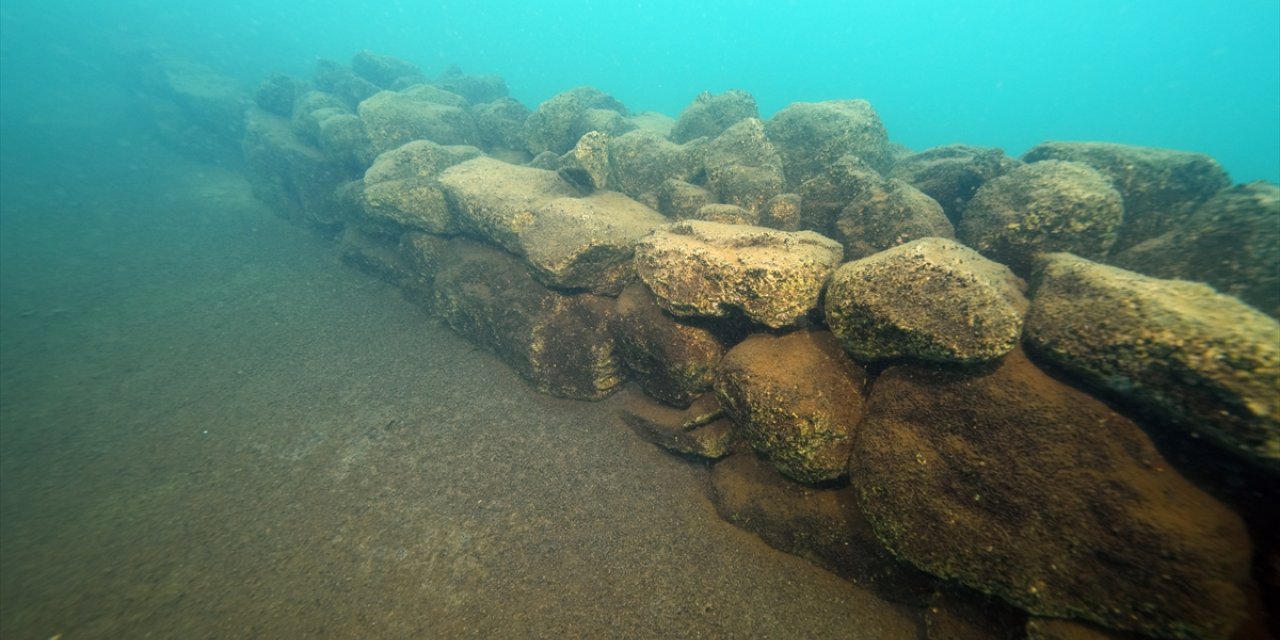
(812, 135)
(565, 117)
(951, 174)
(709, 115)
(933, 299)
(1195, 358)
(1160, 187)
(342, 82)
(293, 177)
(501, 124)
(417, 113)
(1041, 208)
(277, 93)
(386, 71)
(698, 268)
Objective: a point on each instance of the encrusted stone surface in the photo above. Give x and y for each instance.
(951, 174)
(812, 135)
(701, 268)
(673, 361)
(700, 431)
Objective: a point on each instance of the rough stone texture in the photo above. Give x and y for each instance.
(560, 343)
(812, 135)
(1232, 242)
(933, 299)
(342, 82)
(641, 161)
(476, 89)
(742, 167)
(400, 186)
(295, 179)
(680, 200)
(701, 268)
(951, 174)
(796, 399)
(1179, 350)
(591, 154)
(673, 361)
(277, 93)
(822, 525)
(1160, 187)
(417, 159)
(708, 115)
(384, 71)
(565, 117)
(571, 242)
(1019, 486)
(309, 109)
(824, 196)
(700, 431)
(725, 214)
(653, 121)
(1041, 208)
(887, 213)
(394, 118)
(501, 124)
(782, 212)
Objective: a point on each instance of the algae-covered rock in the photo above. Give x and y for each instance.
(1160, 187)
(951, 174)
(571, 242)
(385, 71)
(339, 80)
(699, 431)
(641, 161)
(681, 200)
(825, 195)
(820, 524)
(782, 212)
(297, 180)
(560, 343)
(401, 188)
(1019, 486)
(673, 361)
(796, 399)
(709, 115)
(724, 214)
(475, 88)
(887, 213)
(742, 167)
(1041, 208)
(1232, 242)
(277, 93)
(698, 268)
(565, 117)
(933, 299)
(1179, 350)
(501, 124)
(812, 135)
(393, 118)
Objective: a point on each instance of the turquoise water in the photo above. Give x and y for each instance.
(1184, 74)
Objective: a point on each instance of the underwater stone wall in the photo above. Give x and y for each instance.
(954, 377)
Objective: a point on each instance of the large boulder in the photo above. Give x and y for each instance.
(824, 196)
(560, 343)
(742, 167)
(565, 117)
(277, 93)
(682, 200)
(501, 124)
(699, 431)
(951, 174)
(339, 80)
(812, 135)
(933, 299)
(393, 118)
(641, 161)
(820, 524)
(672, 360)
(1179, 350)
(1232, 242)
(887, 213)
(1041, 208)
(571, 242)
(476, 89)
(296, 179)
(1019, 486)
(1160, 187)
(708, 115)
(698, 268)
(796, 400)
(401, 188)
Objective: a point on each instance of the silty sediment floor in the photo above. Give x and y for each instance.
(209, 427)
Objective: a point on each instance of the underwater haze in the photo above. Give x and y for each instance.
(1182, 74)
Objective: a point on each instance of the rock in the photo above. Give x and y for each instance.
(501, 124)
(374, 254)
(700, 268)
(782, 212)
(822, 525)
(417, 159)
(653, 121)
(432, 94)
(961, 614)
(401, 188)
(277, 93)
(571, 242)
(1160, 187)
(951, 174)
(680, 200)
(342, 82)
(1232, 242)
(824, 196)
(1042, 208)
(699, 431)
(812, 135)
(887, 213)
(742, 166)
(673, 361)
(565, 117)
(560, 343)
(476, 89)
(392, 119)
(932, 299)
(385, 71)
(725, 214)
(796, 399)
(1018, 486)
(1180, 351)
(591, 154)
(295, 179)
(641, 161)
(189, 107)
(708, 115)
(309, 109)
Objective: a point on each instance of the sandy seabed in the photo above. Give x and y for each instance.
(209, 427)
